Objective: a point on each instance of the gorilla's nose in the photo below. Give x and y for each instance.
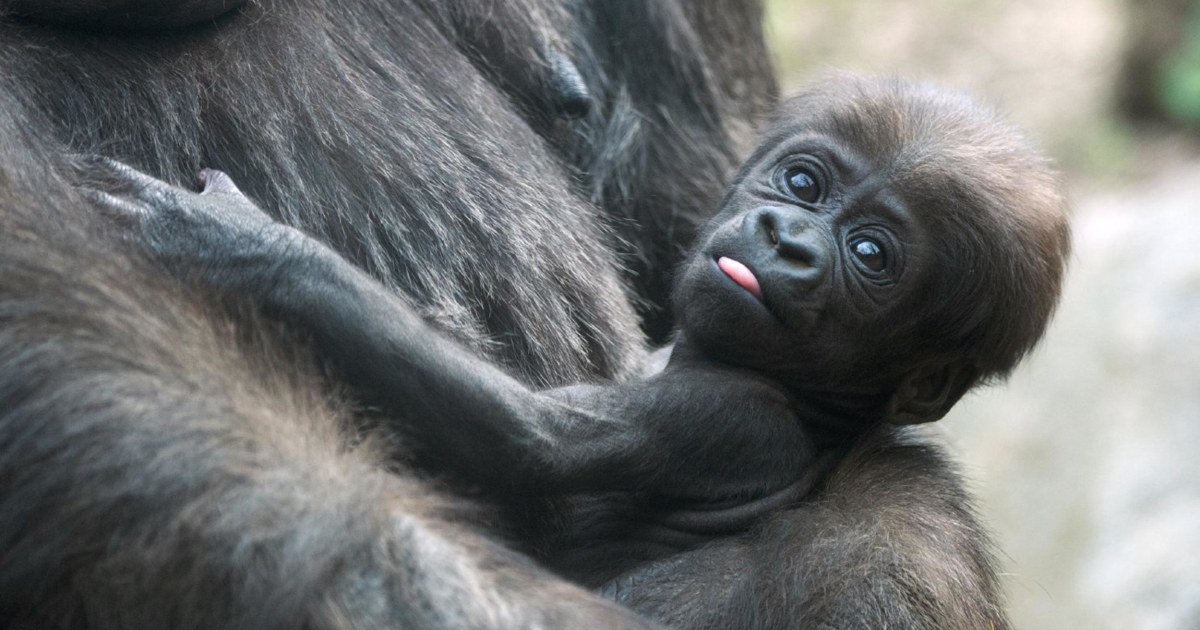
(792, 234)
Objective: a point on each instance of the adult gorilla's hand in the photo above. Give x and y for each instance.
(216, 236)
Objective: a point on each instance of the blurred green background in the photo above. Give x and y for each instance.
(1086, 464)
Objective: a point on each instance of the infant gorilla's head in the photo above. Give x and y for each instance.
(885, 248)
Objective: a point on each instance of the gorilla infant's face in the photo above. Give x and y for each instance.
(888, 246)
(804, 270)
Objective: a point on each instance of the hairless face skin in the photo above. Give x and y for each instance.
(887, 247)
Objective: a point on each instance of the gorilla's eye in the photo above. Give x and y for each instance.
(869, 253)
(802, 183)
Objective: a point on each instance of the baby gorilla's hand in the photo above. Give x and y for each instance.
(217, 236)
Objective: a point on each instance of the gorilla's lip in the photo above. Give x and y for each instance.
(740, 274)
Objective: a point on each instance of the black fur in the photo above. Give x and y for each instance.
(792, 341)
(121, 15)
(164, 465)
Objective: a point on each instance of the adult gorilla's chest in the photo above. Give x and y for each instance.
(373, 134)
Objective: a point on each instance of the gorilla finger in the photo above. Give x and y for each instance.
(104, 173)
(89, 169)
(121, 211)
(210, 180)
(145, 187)
(123, 179)
(571, 96)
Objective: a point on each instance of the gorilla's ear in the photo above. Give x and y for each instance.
(927, 393)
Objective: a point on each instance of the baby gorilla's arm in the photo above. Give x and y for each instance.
(667, 433)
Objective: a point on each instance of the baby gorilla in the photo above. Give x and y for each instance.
(886, 248)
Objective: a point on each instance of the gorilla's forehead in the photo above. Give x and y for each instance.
(886, 116)
(889, 136)
(855, 149)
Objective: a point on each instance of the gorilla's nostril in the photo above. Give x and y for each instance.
(798, 249)
(767, 222)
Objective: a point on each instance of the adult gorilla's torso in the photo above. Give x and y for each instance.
(363, 126)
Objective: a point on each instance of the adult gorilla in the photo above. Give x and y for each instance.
(164, 463)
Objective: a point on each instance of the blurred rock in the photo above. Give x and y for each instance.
(1050, 65)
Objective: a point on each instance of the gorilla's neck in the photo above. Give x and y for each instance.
(832, 415)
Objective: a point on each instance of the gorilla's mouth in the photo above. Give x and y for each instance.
(741, 274)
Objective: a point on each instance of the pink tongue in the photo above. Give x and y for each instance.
(740, 274)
